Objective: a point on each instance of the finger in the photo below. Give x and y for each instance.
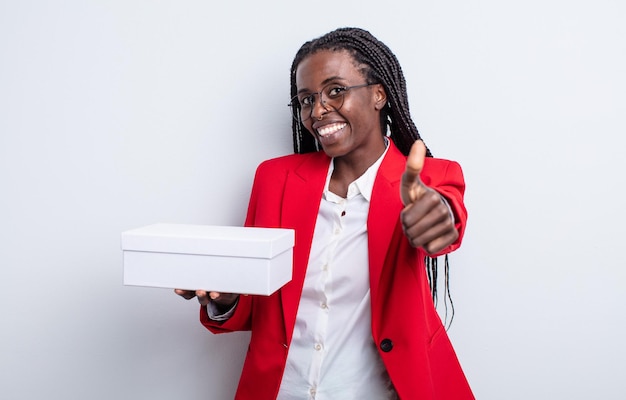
(441, 242)
(421, 237)
(226, 299)
(415, 160)
(430, 210)
(428, 224)
(412, 188)
(186, 294)
(203, 297)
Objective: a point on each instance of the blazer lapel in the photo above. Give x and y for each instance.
(302, 196)
(384, 213)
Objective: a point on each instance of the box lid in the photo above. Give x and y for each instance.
(214, 240)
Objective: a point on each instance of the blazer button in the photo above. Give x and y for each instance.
(386, 345)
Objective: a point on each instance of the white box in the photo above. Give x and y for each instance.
(225, 259)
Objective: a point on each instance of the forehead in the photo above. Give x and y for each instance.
(324, 66)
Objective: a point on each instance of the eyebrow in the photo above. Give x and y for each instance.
(324, 83)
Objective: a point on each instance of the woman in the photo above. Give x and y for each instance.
(357, 320)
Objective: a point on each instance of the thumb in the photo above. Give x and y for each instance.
(412, 187)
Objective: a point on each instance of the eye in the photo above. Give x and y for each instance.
(307, 101)
(335, 91)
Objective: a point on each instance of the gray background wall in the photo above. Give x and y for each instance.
(118, 114)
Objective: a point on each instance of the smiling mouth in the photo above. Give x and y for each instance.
(330, 129)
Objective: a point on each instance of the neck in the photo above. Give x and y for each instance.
(347, 169)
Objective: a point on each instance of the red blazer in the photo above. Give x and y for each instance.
(411, 339)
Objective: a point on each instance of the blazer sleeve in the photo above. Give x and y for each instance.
(239, 321)
(446, 177)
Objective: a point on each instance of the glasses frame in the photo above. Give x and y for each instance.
(296, 103)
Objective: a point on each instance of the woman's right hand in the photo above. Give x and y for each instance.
(223, 300)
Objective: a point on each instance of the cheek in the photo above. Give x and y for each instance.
(308, 126)
(354, 110)
(361, 114)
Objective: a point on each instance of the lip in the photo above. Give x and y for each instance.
(331, 133)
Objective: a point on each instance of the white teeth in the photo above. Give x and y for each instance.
(330, 129)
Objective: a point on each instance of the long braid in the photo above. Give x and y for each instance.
(380, 65)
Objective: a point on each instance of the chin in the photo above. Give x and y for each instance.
(334, 151)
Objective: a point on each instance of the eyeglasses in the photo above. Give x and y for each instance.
(330, 97)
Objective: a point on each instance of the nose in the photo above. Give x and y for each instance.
(319, 109)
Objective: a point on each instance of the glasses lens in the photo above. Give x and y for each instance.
(331, 98)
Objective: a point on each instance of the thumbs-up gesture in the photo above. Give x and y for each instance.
(426, 217)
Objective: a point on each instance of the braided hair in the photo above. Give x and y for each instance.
(380, 65)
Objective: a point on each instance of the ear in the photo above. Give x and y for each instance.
(380, 97)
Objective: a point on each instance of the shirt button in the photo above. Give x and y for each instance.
(318, 347)
(324, 306)
(312, 391)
